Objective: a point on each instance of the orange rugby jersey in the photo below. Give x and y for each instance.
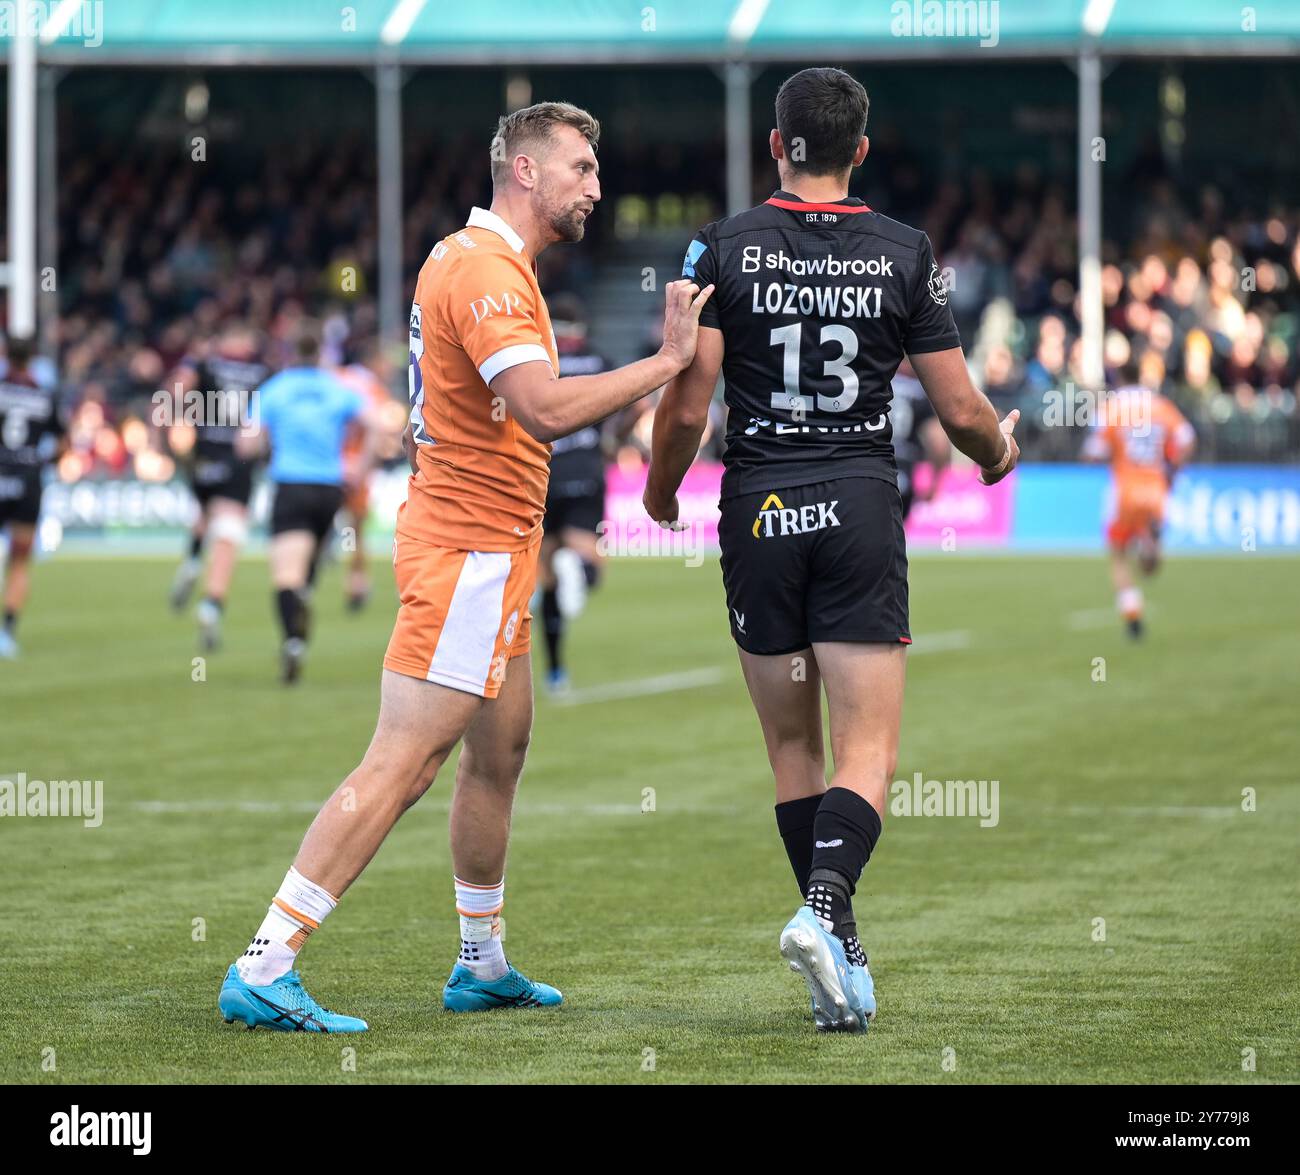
(361, 378)
(481, 484)
(1141, 431)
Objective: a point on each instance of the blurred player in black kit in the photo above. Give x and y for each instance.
(221, 385)
(571, 561)
(31, 431)
(918, 437)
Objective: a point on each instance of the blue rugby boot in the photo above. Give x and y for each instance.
(818, 956)
(283, 1005)
(862, 995)
(465, 993)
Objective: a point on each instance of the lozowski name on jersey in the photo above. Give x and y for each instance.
(823, 301)
(776, 519)
(752, 259)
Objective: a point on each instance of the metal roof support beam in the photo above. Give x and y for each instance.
(47, 211)
(1091, 161)
(388, 136)
(22, 181)
(740, 162)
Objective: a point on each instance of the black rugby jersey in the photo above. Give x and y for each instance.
(31, 423)
(818, 304)
(228, 387)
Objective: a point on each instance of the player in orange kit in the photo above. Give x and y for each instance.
(1146, 440)
(486, 402)
(370, 375)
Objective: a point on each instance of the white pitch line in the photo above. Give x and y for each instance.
(440, 805)
(641, 687)
(184, 807)
(1091, 618)
(940, 642)
(1199, 811)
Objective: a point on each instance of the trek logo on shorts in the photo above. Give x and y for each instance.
(775, 519)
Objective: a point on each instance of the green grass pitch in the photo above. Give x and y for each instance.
(1119, 800)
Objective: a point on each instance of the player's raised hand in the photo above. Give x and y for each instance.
(991, 475)
(683, 301)
(663, 511)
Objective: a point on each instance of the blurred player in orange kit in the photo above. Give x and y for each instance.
(370, 375)
(486, 400)
(1146, 440)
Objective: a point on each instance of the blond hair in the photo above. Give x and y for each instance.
(534, 125)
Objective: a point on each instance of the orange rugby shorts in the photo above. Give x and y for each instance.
(463, 614)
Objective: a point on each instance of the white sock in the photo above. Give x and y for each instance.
(1129, 602)
(299, 908)
(479, 907)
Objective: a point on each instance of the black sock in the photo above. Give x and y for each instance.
(848, 935)
(290, 605)
(11, 620)
(196, 545)
(845, 831)
(314, 567)
(794, 820)
(591, 572)
(553, 622)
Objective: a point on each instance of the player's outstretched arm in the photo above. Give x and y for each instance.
(252, 444)
(938, 453)
(549, 408)
(679, 423)
(408, 447)
(374, 431)
(968, 418)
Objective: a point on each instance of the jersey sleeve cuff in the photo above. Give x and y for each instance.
(508, 357)
(924, 346)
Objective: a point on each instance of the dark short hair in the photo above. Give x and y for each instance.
(533, 127)
(822, 115)
(566, 308)
(20, 349)
(307, 343)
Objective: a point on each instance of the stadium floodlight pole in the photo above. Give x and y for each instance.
(48, 212)
(740, 146)
(22, 179)
(388, 134)
(1092, 154)
(1090, 164)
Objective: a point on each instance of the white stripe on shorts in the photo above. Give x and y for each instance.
(463, 657)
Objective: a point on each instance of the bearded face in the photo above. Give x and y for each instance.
(565, 213)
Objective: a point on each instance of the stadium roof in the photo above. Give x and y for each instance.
(251, 32)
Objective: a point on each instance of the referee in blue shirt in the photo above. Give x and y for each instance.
(302, 416)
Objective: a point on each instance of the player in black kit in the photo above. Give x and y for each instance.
(918, 437)
(570, 563)
(817, 301)
(219, 388)
(31, 431)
